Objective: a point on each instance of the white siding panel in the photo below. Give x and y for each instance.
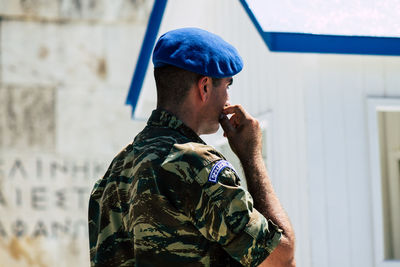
(339, 154)
(301, 156)
(295, 181)
(335, 165)
(392, 76)
(316, 166)
(373, 76)
(356, 158)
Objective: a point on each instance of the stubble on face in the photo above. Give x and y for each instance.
(218, 100)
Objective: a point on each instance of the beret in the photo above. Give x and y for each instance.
(198, 51)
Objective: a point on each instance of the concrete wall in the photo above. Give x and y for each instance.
(65, 69)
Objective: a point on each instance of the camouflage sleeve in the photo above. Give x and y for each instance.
(228, 217)
(220, 209)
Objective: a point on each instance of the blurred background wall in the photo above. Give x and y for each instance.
(65, 68)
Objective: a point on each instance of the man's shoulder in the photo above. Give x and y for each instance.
(191, 161)
(194, 153)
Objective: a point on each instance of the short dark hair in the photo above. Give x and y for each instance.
(173, 84)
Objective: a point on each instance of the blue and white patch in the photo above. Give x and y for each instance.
(217, 168)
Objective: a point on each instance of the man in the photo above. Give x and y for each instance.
(168, 199)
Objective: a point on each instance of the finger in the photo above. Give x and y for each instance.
(232, 109)
(226, 124)
(236, 109)
(234, 121)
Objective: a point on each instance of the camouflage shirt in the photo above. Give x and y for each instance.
(168, 199)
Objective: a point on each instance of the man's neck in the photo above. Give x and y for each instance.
(186, 114)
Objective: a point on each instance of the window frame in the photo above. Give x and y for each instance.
(375, 105)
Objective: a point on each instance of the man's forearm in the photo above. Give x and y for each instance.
(260, 188)
(265, 199)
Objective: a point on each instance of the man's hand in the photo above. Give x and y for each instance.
(243, 132)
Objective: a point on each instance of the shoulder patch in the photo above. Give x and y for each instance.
(217, 168)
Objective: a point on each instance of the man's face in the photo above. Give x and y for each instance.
(218, 99)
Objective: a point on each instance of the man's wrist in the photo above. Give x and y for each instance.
(250, 159)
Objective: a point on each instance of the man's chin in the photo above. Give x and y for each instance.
(211, 130)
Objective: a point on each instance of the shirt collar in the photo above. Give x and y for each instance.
(163, 118)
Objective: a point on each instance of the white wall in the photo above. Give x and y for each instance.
(338, 149)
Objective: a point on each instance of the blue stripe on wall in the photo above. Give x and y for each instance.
(145, 53)
(321, 43)
(255, 22)
(336, 44)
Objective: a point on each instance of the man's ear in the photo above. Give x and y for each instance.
(203, 87)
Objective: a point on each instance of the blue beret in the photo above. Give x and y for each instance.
(198, 51)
